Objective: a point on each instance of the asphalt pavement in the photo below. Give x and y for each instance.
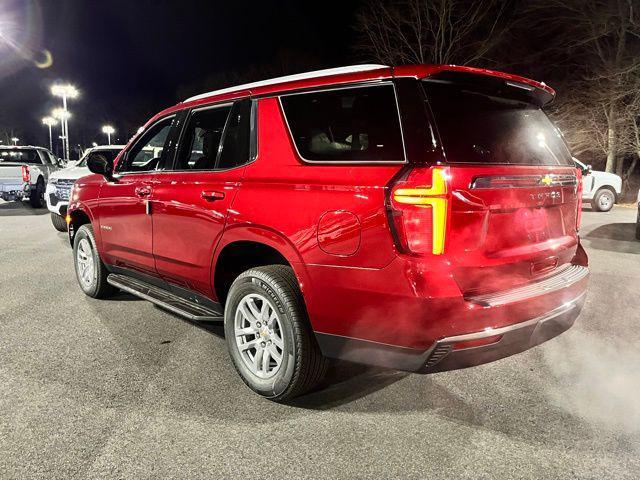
(121, 389)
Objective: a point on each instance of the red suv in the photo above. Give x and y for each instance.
(422, 218)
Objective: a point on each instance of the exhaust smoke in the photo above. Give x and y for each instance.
(596, 379)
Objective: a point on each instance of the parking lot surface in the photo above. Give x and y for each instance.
(119, 388)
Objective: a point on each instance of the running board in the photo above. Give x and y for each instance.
(167, 300)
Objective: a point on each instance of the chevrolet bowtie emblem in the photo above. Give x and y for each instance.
(546, 180)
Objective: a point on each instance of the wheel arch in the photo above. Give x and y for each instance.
(76, 218)
(252, 246)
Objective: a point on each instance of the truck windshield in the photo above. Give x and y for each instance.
(19, 155)
(480, 126)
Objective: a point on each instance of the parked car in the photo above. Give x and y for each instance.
(60, 183)
(601, 189)
(331, 215)
(24, 171)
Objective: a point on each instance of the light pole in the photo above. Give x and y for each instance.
(15, 140)
(65, 92)
(62, 115)
(108, 130)
(50, 122)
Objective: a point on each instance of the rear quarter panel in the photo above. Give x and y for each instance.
(283, 200)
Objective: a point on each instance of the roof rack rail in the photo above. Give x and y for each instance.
(291, 78)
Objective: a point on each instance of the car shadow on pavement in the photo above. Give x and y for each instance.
(614, 237)
(346, 382)
(18, 209)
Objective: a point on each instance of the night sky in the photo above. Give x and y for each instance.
(132, 58)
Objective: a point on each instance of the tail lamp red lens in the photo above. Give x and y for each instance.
(26, 175)
(419, 211)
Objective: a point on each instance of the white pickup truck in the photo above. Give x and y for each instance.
(60, 183)
(24, 173)
(601, 189)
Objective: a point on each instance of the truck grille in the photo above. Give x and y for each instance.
(63, 188)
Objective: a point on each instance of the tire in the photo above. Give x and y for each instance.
(638, 225)
(92, 282)
(36, 197)
(604, 200)
(288, 332)
(59, 223)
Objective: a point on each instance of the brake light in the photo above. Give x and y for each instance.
(579, 200)
(26, 175)
(419, 207)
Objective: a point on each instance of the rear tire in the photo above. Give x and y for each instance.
(90, 271)
(266, 305)
(59, 223)
(638, 225)
(36, 197)
(604, 200)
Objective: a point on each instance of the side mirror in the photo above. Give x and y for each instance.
(99, 164)
(588, 170)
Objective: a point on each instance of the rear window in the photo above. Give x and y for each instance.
(358, 124)
(478, 127)
(20, 156)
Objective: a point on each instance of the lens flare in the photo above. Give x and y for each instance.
(21, 37)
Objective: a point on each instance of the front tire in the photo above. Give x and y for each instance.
(90, 271)
(638, 225)
(268, 334)
(58, 222)
(604, 200)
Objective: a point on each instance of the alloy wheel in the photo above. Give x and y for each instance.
(259, 337)
(86, 267)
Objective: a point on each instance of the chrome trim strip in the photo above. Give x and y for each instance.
(522, 181)
(561, 279)
(490, 332)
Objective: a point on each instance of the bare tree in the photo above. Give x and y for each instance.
(601, 40)
(431, 31)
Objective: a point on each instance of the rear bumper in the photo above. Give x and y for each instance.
(443, 332)
(14, 191)
(444, 354)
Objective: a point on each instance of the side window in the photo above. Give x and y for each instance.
(358, 124)
(146, 153)
(201, 139)
(236, 148)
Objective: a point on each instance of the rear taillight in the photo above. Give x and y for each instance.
(26, 176)
(419, 210)
(579, 200)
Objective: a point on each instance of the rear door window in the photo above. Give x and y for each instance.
(355, 124)
(202, 138)
(479, 126)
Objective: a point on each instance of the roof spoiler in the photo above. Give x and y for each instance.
(496, 83)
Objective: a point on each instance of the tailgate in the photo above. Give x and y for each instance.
(10, 172)
(509, 225)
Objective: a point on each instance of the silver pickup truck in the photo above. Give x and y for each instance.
(24, 172)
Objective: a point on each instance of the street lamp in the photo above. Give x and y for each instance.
(62, 115)
(50, 122)
(15, 140)
(65, 92)
(108, 130)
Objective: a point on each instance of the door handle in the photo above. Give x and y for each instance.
(212, 195)
(142, 192)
